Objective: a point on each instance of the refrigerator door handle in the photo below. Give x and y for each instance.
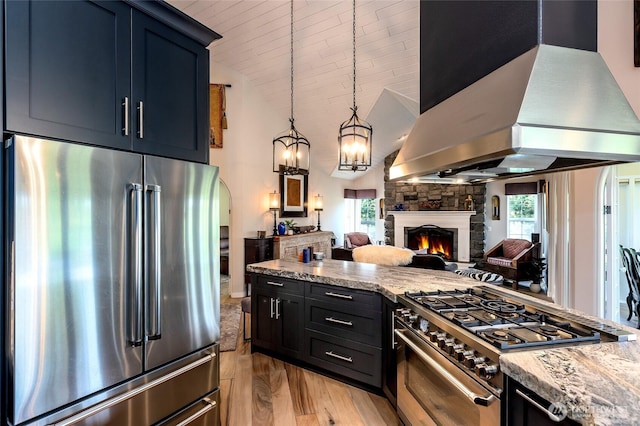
(135, 271)
(153, 264)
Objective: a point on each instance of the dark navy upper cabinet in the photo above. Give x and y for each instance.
(105, 73)
(169, 92)
(68, 70)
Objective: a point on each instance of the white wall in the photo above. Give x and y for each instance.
(615, 44)
(246, 168)
(496, 230)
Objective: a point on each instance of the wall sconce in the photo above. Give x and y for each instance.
(317, 203)
(274, 206)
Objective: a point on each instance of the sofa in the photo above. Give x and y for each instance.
(424, 261)
(224, 250)
(351, 241)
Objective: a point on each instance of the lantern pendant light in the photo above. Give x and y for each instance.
(354, 139)
(291, 149)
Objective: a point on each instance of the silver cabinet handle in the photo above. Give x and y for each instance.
(338, 321)
(275, 283)
(140, 120)
(271, 305)
(343, 358)
(208, 406)
(277, 308)
(551, 415)
(128, 395)
(125, 112)
(338, 295)
(135, 258)
(153, 264)
(477, 399)
(393, 324)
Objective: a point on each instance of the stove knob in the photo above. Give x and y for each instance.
(471, 362)
(413, 319)
(461, 354)
(486, 371)
(454, 348)
(442, 343)
(434, 336)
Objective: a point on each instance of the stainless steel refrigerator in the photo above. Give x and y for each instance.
(111, 309)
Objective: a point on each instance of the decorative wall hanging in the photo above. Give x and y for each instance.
(217, 114)
(495, 207)
(293, 195)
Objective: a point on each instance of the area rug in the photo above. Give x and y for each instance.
(229, 326)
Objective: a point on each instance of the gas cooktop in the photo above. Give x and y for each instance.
(509, 323)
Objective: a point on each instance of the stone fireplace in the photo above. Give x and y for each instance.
(404, 199)
(456, 221)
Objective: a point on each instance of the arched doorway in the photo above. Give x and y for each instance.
(620, 193)
(225, 218)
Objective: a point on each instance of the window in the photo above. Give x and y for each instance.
(522, 216)
(361, 216)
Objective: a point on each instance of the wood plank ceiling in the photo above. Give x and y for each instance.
(256, 43)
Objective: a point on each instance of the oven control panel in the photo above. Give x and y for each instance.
(458, 349)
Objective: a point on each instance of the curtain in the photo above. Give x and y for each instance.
(360, 194)
(524, 188)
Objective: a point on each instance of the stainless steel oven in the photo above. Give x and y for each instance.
(432, 390)
(449, 345)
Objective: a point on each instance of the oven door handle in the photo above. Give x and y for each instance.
(474, 397)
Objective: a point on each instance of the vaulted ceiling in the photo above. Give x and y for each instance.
(256, 43)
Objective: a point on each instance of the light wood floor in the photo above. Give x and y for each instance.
(260, 390)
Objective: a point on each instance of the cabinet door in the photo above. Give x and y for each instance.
(263, 330)
(68, 68)
(170, 79)
(278, 322)
(290, 324)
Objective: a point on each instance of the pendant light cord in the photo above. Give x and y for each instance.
(354, 56)
(291, 51)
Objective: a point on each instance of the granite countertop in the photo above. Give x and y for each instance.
(596, 384)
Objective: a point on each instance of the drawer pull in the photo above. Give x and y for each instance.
(338, 321)
(275, 283)
(338, 295)
(343, 358)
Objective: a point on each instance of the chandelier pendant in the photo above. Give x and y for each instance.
(291, 149)
(355, 135)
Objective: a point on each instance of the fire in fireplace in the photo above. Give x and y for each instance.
(431, 239)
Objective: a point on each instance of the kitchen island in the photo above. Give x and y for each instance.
(597, 384)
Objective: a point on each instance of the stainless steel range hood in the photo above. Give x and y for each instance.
(552, 108)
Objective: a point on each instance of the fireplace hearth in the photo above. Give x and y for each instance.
(431, 239)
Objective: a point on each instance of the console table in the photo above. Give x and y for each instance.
(256, 250)
(289, 246)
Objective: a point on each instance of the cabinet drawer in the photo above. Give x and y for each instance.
(341, 356)
(280, 284)
(344, 296)
(360, 325)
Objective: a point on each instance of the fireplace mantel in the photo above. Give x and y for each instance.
(455, 219)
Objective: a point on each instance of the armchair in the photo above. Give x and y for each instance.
(509, 257)
(356, 239)
(351, 241)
